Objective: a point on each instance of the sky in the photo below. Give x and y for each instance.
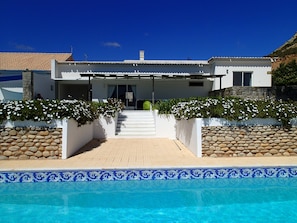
(115, 30)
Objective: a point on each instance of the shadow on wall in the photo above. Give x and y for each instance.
(104, 127)
(184, 129)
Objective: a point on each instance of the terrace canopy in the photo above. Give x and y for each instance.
(146, 75)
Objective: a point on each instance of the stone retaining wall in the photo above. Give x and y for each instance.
(245, 92)
(30, 143)
(232, 141)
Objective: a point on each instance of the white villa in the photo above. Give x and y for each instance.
(58, 76)
(134, 81)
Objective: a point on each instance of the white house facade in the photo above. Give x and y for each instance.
(242, 71)
(134, 81)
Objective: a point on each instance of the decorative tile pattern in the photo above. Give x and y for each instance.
(145, 174)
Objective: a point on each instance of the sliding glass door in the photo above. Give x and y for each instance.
(126, 93)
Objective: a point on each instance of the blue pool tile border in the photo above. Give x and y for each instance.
(145, 174)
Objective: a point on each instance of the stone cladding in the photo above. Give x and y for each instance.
(245, 92)
(30, 143)
(242, 141)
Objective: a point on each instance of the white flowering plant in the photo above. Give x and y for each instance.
(229, 108)
(47, 110)
(110, 108)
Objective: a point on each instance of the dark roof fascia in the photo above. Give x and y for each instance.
(145, 62)
(230, 59)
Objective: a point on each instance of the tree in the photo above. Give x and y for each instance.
(285, 74)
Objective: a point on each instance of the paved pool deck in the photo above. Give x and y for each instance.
(123, 153)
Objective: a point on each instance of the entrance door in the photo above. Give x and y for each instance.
(126, 93)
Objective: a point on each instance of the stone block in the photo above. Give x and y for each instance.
(29, 153)
(46, 153)
(273, 151)
(23, 157)
(286, 154)
(43, 133)
(3, 157)
(4, 133)
(13, 132)
(259, 155)
(7, 153)
(33, 148)
(14, 148)
(29, 144)
(38, 154)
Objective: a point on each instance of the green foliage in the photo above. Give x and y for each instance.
(285, 74)
(146, 105)
(47, 110)
(230, 108)
(165, 106)
(110, 108)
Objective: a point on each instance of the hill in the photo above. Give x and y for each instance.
(285, 53)
(289, 48)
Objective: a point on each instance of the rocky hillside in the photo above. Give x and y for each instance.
(289, 48)
(285, 53)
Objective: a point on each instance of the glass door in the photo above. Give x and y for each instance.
(126, 93)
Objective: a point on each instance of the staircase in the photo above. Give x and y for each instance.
(135, 123)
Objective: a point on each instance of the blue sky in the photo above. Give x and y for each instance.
(174, 29)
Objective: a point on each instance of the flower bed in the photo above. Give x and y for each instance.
(47, 110)
(229, 108)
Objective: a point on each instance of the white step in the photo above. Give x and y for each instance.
(133, 134)
(136, 123)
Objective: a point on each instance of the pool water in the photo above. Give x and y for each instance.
(206, 200)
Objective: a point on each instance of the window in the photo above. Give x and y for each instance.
(196, 84)
(242, 78)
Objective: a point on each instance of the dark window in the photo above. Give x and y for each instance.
(196, 84)
(247, 79)
(237, 78)
(242, 78)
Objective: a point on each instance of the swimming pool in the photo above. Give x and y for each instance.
(193, 200)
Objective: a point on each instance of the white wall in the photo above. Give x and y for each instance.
(189, 133)
(166, 89)
(44, 85)
(165, 126)
(104, 128)
(74, 137)
(260, 78)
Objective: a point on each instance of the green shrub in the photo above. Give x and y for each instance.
(146, 105)
(285, 74)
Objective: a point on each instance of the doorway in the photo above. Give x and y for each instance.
(125, 92)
